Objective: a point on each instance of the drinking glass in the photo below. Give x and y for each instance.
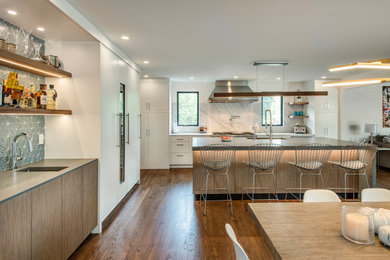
(25, 42)
(37, 47)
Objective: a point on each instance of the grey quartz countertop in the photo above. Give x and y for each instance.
(13, 183)
(243, 143)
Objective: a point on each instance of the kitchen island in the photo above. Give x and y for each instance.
(241, 175)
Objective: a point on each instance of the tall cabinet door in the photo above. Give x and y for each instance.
(158, 140)
(144, 139)
(110, 137)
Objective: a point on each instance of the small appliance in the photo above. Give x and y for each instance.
(299, 129)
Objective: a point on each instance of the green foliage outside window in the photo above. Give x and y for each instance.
(275, 104)
(188, 108)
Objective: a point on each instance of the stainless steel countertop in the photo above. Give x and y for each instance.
(243, 143)
(13, 183)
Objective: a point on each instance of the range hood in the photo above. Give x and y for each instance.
(232, 86)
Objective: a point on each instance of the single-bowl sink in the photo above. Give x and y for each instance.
(42, 169)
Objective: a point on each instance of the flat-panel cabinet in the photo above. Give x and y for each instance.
(46, 221)
(90, 197)
(72, 211)
(155, 95)
(15, 228)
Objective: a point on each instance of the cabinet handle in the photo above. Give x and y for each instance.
(179, 155)
(180, 139)
(179, 144)
(140, 126)
(147, 132)
(119, 115)
(147, 105)
(128, 128)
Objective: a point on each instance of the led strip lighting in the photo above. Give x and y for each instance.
(355, 82)
(31, 68)
(376, 64)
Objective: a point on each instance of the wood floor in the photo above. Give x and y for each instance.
(161, 220)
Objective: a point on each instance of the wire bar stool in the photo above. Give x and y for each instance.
(216, 160)
(309, 161)
(263, 159)
(354, 160)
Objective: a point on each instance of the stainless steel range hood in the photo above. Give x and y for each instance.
(231, 86)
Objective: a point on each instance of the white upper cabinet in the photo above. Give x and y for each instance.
(155, 95)
(326, 103)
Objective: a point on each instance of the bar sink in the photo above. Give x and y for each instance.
(42, 169)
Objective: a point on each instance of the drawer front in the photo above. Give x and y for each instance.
(181, 158)
(181, 139)
(182, 147)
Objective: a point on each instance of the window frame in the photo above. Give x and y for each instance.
(177, 106)
(281, 111)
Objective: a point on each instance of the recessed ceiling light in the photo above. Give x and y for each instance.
(146, 76)
(235, 77)
(124, 37)
(278, 78)
(323, 77)
(191, 77)
(146, 62)
(41, 29)
(12, 12)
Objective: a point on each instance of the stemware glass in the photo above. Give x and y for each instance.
(25, 42)
(37, 47)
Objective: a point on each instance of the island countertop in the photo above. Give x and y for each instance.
(13, 183)
(243, 143)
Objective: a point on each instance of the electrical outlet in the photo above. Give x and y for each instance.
(41, 139)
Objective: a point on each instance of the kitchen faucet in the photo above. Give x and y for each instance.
(15, 159)
(270, 122)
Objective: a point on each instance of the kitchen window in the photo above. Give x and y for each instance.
(275, 104)
(188, 108)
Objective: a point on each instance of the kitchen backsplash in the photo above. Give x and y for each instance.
(10, 126)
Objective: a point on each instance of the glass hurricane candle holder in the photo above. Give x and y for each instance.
(358, 226)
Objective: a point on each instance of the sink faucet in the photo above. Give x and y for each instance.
(270, 122)
(15, 159)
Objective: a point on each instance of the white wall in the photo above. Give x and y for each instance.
(75, 136)
(216, 115)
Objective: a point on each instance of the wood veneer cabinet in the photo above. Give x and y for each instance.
(15, 228)
(46, 220)
(90, 197)
(72, 211)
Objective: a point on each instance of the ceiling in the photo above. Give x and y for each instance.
(34, 13)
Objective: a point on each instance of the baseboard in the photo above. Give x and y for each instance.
(175, 166)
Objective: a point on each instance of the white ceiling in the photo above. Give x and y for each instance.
(217, 39)
(34, 13)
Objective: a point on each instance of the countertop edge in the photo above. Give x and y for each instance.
(61, 173)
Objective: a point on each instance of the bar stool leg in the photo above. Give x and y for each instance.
(253, 185)
(345, 185)
(275, 184)
(322, 179)
(230, 195)
(368, 185)
(300, 186)
(205, 199)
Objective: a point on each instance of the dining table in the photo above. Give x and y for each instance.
(312, 231)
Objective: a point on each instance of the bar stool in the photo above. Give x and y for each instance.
(309, 160)
(354, 160)
(263, 159)
(216, 160)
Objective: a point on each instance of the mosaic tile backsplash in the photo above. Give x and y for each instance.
(10, 126)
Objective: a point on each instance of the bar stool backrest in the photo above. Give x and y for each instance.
(217, 153)
(270, 153)
(353, 155)
(312, 156)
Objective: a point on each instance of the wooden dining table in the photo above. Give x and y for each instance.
(312, 231)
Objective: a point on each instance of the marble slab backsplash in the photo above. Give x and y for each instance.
(10, 126)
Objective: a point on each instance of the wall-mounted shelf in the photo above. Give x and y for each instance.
(16, 61)
(298, 116)
(298, 103)
(33, 111)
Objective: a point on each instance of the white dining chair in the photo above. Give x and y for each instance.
(375, 195)
(320, 195)
(240, 252)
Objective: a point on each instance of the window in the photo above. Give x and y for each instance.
(187, 108)
(275, 104)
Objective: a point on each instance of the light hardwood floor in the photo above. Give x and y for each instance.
(161, 220)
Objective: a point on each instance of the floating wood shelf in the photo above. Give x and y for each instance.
(298, 116)
(16, 61)
(33, 111)
(298, 103)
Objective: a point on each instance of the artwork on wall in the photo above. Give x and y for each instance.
(386, 106)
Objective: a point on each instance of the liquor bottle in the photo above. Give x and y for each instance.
(51, 97)
(6, 95)
(41, 97)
